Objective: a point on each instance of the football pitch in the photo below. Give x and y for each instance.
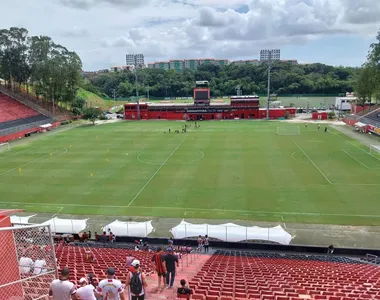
(235, 170)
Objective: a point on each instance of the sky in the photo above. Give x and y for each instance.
(335, 32)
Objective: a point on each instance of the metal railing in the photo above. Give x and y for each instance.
(10, 130)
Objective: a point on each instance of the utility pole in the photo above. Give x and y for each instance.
(137, 95)
(114, 96)
(268, 94)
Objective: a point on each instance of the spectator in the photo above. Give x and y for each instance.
(89, 256)
(89, 234)
(137, 248)
(25, 265)
(206, 243)
(170, 242)
(110, 288)
(330, 249)
(129, 260)
(86, 291)
(171, 262)
(113, 238)
(199, 241)
(136, 281)
(159, 260)
(184, 290)
(85, 236)
(63, 289)
(104, 237)
(39, 265)
(97, 237)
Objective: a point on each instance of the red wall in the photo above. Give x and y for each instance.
(21, 134)
(319, 115)
(234, 112)
(8, 262)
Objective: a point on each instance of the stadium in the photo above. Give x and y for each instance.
(236, 199)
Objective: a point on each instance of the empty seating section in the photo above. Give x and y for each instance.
(262, 276)
(11, 109)
(74, 258)
(372, 119)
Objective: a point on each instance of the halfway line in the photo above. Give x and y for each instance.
(155, 173)
(320, 171)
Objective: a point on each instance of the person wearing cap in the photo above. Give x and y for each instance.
(62, 288)
(110, 288)
(171, 263)
(142, 278)
(86, 291)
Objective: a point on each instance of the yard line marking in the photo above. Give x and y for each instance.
(155, 173)
(33, 160)
(328, 180)
(271, 213)
(355, 158)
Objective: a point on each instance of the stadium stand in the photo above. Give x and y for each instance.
(13, 110)
(237, 275)
(372, 119)
(75, 258)
(14, 114)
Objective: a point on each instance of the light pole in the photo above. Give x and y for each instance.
(147, 91)
(268, 92)
(137, 94)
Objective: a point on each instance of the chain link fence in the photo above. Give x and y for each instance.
(28, 263)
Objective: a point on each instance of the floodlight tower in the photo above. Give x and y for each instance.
(268, 92)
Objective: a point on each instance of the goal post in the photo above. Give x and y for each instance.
(288, 130)
(4, 147)
(374, 150)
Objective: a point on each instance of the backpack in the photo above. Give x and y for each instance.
(135, 284)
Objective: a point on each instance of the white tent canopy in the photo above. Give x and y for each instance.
(138, 229)
(21, 219)
(360, 124)
(231, 232)
(66, 225)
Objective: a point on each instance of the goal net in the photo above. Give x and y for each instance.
(374, 150)
(4, 147)
(288, 130)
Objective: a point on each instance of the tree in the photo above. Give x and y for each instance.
(92, 114)
(366, 85)
(331, 115)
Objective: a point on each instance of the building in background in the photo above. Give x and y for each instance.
(121, 68)
(254, 62)
(136, 60)
(181, 64)
(275, 54)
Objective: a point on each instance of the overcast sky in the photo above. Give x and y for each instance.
(336, 32)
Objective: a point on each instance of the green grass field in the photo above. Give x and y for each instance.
(235, 170)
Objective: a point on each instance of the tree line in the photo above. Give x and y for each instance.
(40, 66)
(368, 84)
(224, 80)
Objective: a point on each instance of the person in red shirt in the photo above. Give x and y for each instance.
(159, 260)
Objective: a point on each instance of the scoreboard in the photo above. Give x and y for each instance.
(201, 96)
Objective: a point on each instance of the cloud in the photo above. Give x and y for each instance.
(75, 33)
(168, 29)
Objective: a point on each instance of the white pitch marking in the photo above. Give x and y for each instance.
(155, 173)
(355, 158)
(320, 171)
(198, 209)
(33, 160)
(17, 153)
(59, 210)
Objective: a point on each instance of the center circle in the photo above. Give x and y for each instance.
(154, 157)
